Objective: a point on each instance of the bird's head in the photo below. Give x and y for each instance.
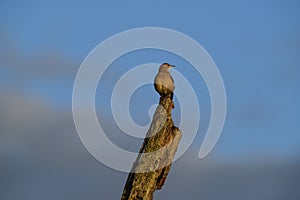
(165, 67)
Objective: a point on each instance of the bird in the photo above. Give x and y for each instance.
(163, 82)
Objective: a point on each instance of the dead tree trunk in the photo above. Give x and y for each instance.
(152, 166)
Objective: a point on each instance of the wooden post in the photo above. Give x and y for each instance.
(152, 166)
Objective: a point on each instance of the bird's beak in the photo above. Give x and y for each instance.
(172, 65)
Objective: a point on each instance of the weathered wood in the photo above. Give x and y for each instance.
(152, 166)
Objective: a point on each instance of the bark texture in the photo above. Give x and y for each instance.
(152, 166)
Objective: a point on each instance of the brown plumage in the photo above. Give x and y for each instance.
(163, 82)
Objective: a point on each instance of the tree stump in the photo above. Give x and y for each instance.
(152, 166)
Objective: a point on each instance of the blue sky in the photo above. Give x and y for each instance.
(255, 45)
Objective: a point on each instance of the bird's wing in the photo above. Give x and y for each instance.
(172, 82)
(172, 79)
(157, 84)
(168, 82)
